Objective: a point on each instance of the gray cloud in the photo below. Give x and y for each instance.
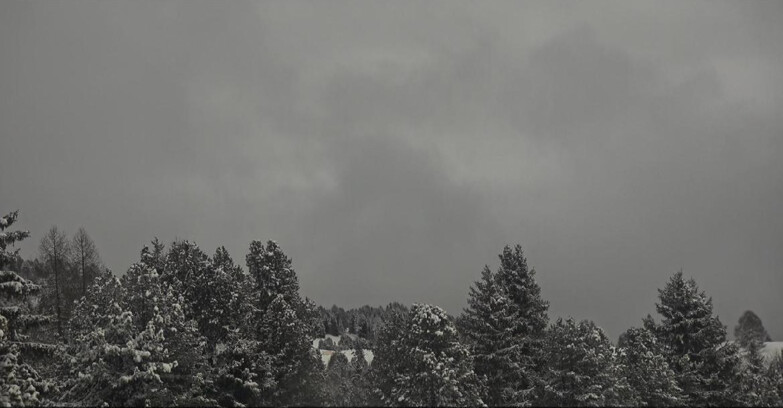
(393, 148)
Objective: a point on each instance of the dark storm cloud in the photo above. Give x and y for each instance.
(393, 148)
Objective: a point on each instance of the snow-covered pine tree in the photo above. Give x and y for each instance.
(647, 371)
(211, 288)
(285, 324)
(339, 388)
(20, 384)
(758, 388)
(707, 367)
(429, 367)
(582, 368)
(389, 355)
(503, 325)
(750, 329)
(243, 373)
(360, 382)
(140, 351)
(154, 303)
(118, 365)
(775, 375)
(90, 312)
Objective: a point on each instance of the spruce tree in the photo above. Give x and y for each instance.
(243, 373)
(647, 371)
(388, 355)
(339, 388)
(775, 375)
(504, 325)
(427, 364)
(707, 367)
(285, 324)
(20, 384)
(582, 368)
(360, 382)
(758, 388)
(153, 302)
(749, 329)
(211, 288)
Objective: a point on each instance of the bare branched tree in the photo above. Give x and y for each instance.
(54, 252)
(85, 257)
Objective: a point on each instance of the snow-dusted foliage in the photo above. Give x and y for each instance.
(647, 371)
(20, 384)
(759, 386)
(285, 324)
(146, 352)
(243, 373)
(89, 312)
(708, 368)
(582, 368)
(211, 288)
(504, 325)
(9, 238)
(429, 366)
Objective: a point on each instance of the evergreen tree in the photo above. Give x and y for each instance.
(389, 355)
(775, 375)
(360, 382)
(89, 313)
(582, 368)
(211, 288)
(750, 329)
(154, 303)
(285, 324)
(339, 388)
(20, 384)
(758, 387)
(647, 371)
(429, 366)
(243, 373)
(141, 349)
(504, 325)
(707, 368)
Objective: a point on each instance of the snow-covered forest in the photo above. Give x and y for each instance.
(181, 327)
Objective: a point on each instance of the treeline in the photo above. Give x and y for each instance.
(181, 327)
(364, 322)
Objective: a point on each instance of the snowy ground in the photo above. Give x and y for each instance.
(326, 355)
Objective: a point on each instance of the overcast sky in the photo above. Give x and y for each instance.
(392, 148)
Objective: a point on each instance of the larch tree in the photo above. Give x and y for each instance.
(85, 257)
(503, 326)
(55, 251)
